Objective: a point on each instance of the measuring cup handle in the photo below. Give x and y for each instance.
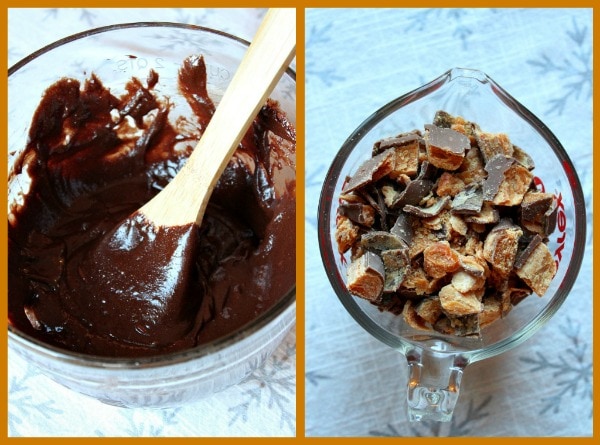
(434, 384)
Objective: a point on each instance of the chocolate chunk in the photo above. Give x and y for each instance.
(403, 228)
(414, 192)
(447, 139)
(523, 256)
(535, 204)
(377, 202)
(398, 141)
(468, 201)
(550, 218)
(371, 171)
(427, 171)
(428, 212)
(359, 213)
(495, 167)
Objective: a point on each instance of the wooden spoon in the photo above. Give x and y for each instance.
(136, 279)
(268, 56)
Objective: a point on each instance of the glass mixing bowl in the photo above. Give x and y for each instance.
(436, 362)
(115, 54)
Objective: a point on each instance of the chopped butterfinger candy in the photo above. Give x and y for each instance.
(395, 262)
(535, 204)
(346, 233)
(457, 226)
(473, 265)
(366, 276)
(466, 282)
(429, 309)
(417, 280)
(380, 240)
(462, 326)
(517, 180)
(550, 218)
(391, 195)
(472, 169)
(396, 141)
(412, 318)
(457, 123)
(523, 158)
(487, 215)
(445, 147)
(538, 212)
(459, 303)
(371, 171)
(422, 237)
(501, 245)
(406, 153)
(439, 259)
(358, 213)
(351, 198)
(449, 185)
(524, 255)
(443, 119)
(492, 311)
(491, 144)
(447, 227)
(428, 212)
(538, 269)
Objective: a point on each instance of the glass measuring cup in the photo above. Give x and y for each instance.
(436, 361)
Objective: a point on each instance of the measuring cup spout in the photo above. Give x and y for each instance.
(434, 384)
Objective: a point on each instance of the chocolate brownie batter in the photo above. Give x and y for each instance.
(94, 158)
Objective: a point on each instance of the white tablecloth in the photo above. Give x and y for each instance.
(263, 405)
(357, 61)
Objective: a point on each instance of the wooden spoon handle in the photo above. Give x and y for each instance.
(184, 199)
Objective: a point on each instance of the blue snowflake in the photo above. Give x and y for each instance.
(574, 70)
(319, 36)
(572, 371)
(277, 387)
(22, 407)
(314, 378)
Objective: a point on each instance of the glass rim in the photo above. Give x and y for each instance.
(284, 304)
(129, 25)
(327, 199)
